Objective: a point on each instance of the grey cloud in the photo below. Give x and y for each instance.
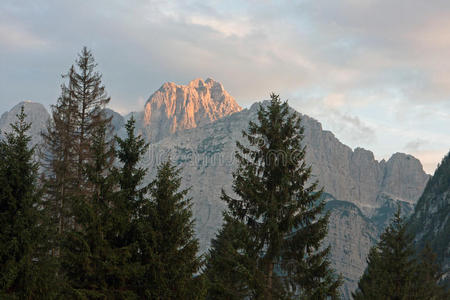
(353, 127)
(415, 145)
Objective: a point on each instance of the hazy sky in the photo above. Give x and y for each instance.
(376, 73)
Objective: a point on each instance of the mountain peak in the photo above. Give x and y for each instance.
(36, 114)
(175, 107)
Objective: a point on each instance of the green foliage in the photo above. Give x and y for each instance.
(282, 214)
(231, 264)
(393, 272)
(94, 267)
(429, 223)
(170, 252)
(26, 272)
(130, 230)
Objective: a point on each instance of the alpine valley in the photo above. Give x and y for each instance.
(197, 125)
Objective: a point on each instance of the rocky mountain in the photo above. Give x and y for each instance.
(177, 107)
(198, 125)
(36, 114)
(362, 193)
(430, 221)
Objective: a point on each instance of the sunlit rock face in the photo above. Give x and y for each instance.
(198, 125)
(177, 107)
(361, 192)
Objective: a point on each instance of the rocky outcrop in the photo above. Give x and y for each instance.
(362, 192)
(350, 235)
(177, 107)
(198, 125)
(36, 114)
(430, 222)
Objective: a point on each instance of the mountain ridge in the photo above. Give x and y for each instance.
(362, 191)
(175, 107)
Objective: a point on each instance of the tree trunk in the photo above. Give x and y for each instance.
(269, 293)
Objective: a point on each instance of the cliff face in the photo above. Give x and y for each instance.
(36, 114)
(361, 192)
(430, 221)
(177, 107)
(198, 126)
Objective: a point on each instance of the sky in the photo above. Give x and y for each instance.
(374, 72)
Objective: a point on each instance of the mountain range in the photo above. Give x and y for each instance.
(197, 126)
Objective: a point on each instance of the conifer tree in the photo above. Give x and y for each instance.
(280, 210)
(173, 261)
(60, 165)
(75, 119)
(394, 272)
(131, 231)
(428, 275)
(231, 265)
(93, 265)
(26, 272)
(130, 175)
(86, 89)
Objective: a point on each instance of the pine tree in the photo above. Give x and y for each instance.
(131, 231)
(85, 87)
(132, 193)
(231, 264)
(77, 123)
(60, 165)
(26, 272)
(280, 211)
(428, 275)
(394, 272)
(172, 261)
(75, 119)
(94, 267)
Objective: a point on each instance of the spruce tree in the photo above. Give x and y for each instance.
(231, 265)
(281, 210)
(77, 123)
(395, 272)
(131, 231)
(95, 269)
(75, 119)
(86, 89)
(428, 275)
(26, 271)
(172, 263)
(60, 166)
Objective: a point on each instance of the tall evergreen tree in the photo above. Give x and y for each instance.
(85, 87)
(93, 265)
(173, 264)
(231, 264)
(131, 231)
(393, 270)
(26, 271)
(280, 211)
(60, 165)
(77, 123)
(75, 119)
(428, 275)
(132, 192)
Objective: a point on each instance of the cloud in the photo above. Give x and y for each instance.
(415, 145)
(13, 38)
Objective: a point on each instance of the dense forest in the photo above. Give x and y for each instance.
(79, 222)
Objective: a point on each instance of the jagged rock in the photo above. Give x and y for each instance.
(430, 221)
(197, 126)
(177, 107)
(36, 114)
(364, 186)
(350, 235)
